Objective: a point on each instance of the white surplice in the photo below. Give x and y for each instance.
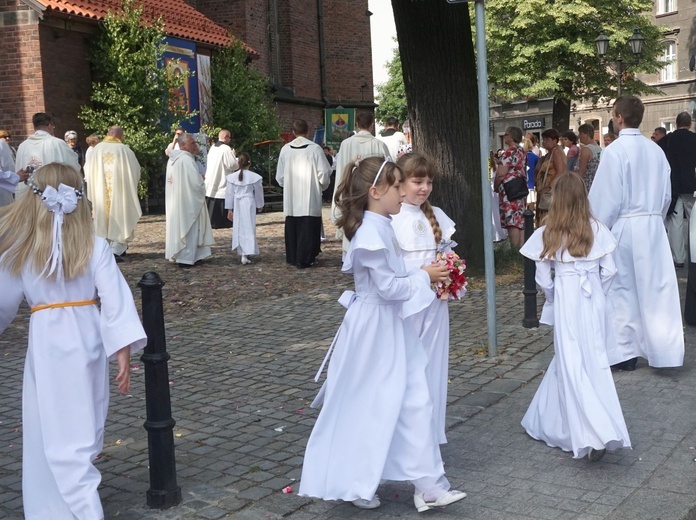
(376, 420)
(576, 406)
(42, 148)
(303, 172)
(66, 381)
(112, 175)
(393, 141)
(8, 178)
(188, 231)
(363, 144)
(221, 162)
(244, 198)
(630, 194)
(417, 240)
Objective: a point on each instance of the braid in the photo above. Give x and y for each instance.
(430, 214)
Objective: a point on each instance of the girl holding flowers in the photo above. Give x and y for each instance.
(576, 407)
(50, 257)
(376, 421)
(424, 234)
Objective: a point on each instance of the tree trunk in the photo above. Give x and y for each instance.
(437, 57)
(561, 113)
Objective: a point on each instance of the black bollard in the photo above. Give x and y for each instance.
(164, 491)
(530, 319)
(690, 303)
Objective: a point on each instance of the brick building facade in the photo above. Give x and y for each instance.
(316, 54)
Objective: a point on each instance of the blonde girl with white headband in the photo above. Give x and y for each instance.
(82, 314)
(376, 420)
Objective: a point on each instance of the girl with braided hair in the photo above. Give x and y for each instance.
(423, 231)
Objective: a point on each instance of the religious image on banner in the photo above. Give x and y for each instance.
(205, 98)
(339, 126)
(179, 98)
(340, 122)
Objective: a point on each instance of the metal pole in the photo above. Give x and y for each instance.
(530, 319)
(484, 138)
(620, 60)
(164, 491)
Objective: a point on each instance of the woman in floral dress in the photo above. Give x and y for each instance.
(513, 163)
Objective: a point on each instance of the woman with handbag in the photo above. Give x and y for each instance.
(511, 183)
(547, 170)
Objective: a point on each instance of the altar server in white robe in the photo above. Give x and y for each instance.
(188, 232)
(65, 394)
(221, 162)
(8, 178)
(376, 420)
(113, 174)
(243, 199)
(630, 195)
(43, 148)
(423, 231)
(576, 407)
(363, 144)
(303, 173)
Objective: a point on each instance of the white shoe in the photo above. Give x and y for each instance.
(363, 503)
(245, 260)
(448, 498)
(595, 455)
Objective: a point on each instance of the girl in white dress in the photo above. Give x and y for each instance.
(576, 407)
(243, 200)
(376, 421)
(50, 257)
(422, 231)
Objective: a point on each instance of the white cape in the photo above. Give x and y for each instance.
(244, 198)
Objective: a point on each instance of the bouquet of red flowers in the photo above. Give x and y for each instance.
(454, 287)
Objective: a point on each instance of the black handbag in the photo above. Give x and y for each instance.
(516, 188)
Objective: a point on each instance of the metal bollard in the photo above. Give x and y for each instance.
(164, 491)
(690, 303)
(530, 319)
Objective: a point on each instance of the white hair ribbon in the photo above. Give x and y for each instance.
(387, 159)
(59, 202)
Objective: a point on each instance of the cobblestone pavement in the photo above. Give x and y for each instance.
(241, 383)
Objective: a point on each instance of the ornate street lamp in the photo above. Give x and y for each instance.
(636, 43)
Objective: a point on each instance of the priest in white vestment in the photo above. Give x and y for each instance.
(188, 232)
(630, 194)
(221, 162)
(43, 148)
(303, 173)
(8, 178)
(113, 174)
(362, 144)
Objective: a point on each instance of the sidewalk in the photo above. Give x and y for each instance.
(242, 381)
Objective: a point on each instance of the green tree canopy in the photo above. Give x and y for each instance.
(542, 48)
(242, 102)
(391, 95)
(131, 87)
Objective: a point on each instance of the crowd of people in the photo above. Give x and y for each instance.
(601, 249)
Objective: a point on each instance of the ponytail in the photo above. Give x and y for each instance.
(244, 162)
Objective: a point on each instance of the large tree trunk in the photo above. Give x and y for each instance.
(561, 112)
(437, 56)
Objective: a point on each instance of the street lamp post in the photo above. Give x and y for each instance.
(636, 42)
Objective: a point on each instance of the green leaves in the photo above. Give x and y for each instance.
(391, 95)
(130, 89)
(242, 102)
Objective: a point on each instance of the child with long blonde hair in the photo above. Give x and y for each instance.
(50, 257)
(576, 407)
(423, 231)
(376, 421)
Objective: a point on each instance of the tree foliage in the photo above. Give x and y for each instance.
(391, 95)
(542, 48)
(242, 102)
(132, 88)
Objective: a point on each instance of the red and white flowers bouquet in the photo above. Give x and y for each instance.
(455, 286)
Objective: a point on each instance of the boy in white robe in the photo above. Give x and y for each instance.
(630, 194)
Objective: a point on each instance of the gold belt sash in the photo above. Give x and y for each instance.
(62, 304)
